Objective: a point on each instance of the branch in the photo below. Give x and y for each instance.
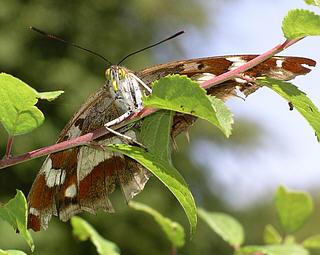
(9, 146)
(85, 139)
(237, 72)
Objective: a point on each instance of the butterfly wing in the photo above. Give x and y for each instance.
(202, 69)
(81, 178)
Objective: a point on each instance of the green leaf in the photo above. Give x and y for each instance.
(290, 239)
(271, 235)
(297, 98)
(167, 174)
(293, 208)
(50, 96)
(312, 242)
(181, 94)
(276, 249)
(223, 114)
(312, 2)
(12, 252)
(300, 23)
(155, 133)
(172, 229)
(18, 112)
(224, 225)
(15, 213)
(83, 230)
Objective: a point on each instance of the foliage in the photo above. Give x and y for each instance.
(181, 94)
(167, 174)
(11, 252)
(224, 225)
(271, 235)
(173, 230)
(18, 113)
(293, 209)
(298, 99)
(300, 23)
(15, 213)
(312, 2)
(155, 133)
(83, 231)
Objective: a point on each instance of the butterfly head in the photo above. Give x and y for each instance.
(114, 75)
(124, 87)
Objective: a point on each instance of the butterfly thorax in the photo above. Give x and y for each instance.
(124, 88)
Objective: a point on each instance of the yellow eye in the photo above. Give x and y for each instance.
(108, 74)
(122, 73)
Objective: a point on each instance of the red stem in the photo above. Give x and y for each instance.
(9, 146)
(53, 148)
(82, 140)
(237, 72)
(174, 250)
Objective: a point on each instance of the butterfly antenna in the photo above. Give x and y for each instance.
(70, 43)
(150, 46)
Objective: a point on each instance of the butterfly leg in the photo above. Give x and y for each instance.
(128, 138)
(119, 119)
(142, 83)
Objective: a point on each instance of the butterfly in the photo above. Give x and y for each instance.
(82, 178)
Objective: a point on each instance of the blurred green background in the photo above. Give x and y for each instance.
(114, 28)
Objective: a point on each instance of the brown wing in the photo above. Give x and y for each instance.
(282, 68)
(82, 178)
(201, 69)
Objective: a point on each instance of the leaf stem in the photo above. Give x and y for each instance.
(9, 146)
(174, 250)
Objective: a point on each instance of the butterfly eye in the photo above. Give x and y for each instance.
(108, 74)
(122, 74)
